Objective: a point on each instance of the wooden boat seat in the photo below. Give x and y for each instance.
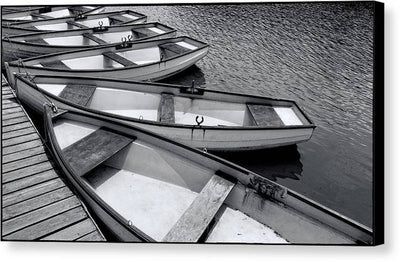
(120, 19)
(192, 224)
(91, 151)
(78, 94)
(123, 61)
(171, 49)
(166, 109)
(54, 64)
(94, 38)
(37, 41)
(264, 115)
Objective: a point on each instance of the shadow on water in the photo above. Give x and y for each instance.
(186, 77)
(274, 163)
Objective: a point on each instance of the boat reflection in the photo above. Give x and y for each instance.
(274, 163)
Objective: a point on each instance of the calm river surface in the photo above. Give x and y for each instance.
(318, 54)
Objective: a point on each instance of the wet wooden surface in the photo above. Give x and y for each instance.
(36, 202)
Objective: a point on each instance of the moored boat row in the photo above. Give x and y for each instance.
(129, 147)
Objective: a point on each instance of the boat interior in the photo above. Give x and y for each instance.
(98, 38)
(157, 191)
(120, 58)
(65, 12)
(88, 22)
(184, 110)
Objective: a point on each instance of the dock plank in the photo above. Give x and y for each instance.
(14, 121)
(27, 171)
(26, 162)
(30, 192)
(38, 215)
(35, 203)
(73, 232)
(13, 115)
(29, 181)
(15, 109)
(22, 146)
(19, 139)
(197, 217)
(20, 132)
(11, 105)
(23, 154)
(48, 226)
(15, 127)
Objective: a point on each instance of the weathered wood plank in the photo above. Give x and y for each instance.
(11, 110)
(92, 237)
(120, 59)
(22, 146)
(27, 171)
(78, 94)
(264, 115)
(196, 218)
(23, 154)
(54, 64)
(15, 127)
(9, 100)
(48, 226)
(14, 121)
(73, 232)
(26, 162)
(92, 150)
(8, 96)
(26, 182)
(13, 115)
(167, 108)
(6, 92)
(19, 140)
(11, 105)
(20, 132)
(30, 192)
(35, 203)
(38, 215)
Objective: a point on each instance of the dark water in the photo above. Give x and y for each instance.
(318, 54)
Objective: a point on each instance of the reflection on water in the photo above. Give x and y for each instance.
(186, 77)
(274, 164)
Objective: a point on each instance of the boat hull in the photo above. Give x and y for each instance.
(217, 139)
(155, 71)
(14, 50)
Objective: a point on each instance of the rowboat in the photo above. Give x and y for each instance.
(73, 22)
(145, 187)
(48, 12)
(198, 117)
(36, 44)
(144, 60)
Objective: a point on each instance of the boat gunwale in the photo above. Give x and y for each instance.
(113, 45)
(245, 172)
(10, 39)
(172, 125)
(65, 19)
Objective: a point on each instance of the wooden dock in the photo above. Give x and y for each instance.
(36, 203)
